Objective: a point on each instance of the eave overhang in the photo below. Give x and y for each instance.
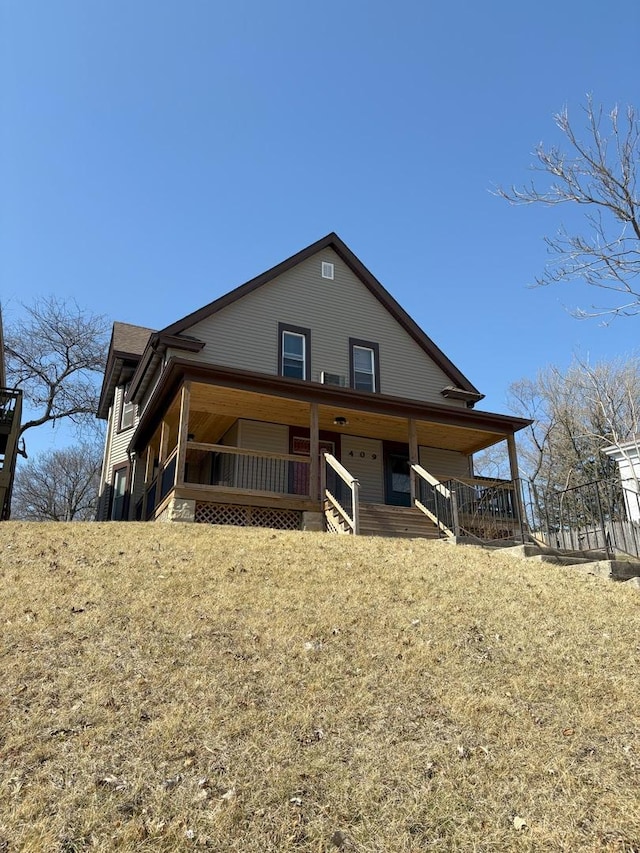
(177, 371)
(119, 370)
(470, 397)
(153, 356)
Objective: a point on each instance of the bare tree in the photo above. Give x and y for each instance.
(600, 173)
(55, 353)
(58, 486)
(576, 414)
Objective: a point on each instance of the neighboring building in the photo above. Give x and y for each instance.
(10, 419)
(223, 415)
(627, 455)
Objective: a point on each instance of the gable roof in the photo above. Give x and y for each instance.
(459, 380)
(129, 339)
(127, 344)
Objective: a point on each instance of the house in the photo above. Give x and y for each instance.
(305, 398)
(627, 455)
(10, 420)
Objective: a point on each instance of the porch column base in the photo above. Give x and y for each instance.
(312, 520)
(179, 509)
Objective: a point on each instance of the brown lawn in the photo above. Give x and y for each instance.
(178, 687)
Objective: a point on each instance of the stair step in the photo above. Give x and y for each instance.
(395, 521)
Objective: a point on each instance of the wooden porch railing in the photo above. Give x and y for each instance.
(435, 500)
(341, 491)
(258, 471)
(221, 467)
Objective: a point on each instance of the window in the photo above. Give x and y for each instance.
(327, 270)
(364, 367)
(127, 412)
(119, 493)
(294, 352)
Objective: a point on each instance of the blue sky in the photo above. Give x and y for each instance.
(156, 153)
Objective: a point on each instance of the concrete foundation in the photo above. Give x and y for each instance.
(313, 521)
(179, 509)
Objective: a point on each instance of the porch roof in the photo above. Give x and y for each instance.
(220, 395)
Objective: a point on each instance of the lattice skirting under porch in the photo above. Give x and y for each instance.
(248, 516)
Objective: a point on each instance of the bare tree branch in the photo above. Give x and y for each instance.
(55, 354)
(602, 174)
(576, 413)
(58, 486)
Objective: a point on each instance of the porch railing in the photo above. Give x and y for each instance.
(488, 509)
(341, 491)
(435, 500)
(480, 508)
(222, 466)
(9, 398)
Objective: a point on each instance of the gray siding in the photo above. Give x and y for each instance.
(365, 468)
(245, 333)
(445, 464)
(231, 435)
(272, 438)
(116, 452)
(105, 473)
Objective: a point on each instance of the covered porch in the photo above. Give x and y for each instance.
(246, 450)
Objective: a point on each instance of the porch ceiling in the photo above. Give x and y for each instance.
(214, 408)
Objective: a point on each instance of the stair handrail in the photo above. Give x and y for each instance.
(422, 472)
(352, 483)
(438, 490)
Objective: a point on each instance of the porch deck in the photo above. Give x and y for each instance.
(220, 450)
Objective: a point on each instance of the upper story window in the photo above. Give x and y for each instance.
(294, 352)
(127, 412)
(364, 365)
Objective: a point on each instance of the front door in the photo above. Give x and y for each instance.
(396, 474)
(300, 445)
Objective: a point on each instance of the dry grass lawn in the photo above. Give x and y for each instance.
(178, 687)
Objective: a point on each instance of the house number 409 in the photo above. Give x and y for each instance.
(362, 454)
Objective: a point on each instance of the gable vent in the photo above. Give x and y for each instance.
(327, 270)
(331, 378)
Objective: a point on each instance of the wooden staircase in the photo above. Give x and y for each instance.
(382, 520)
(395, 521)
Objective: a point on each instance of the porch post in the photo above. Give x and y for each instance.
(515, 477)
(414, 457)
(183, 432)
(314, 450)
(513, 458)
(148, 468)
(164, 441)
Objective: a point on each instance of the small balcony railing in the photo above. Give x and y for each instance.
(9, 399)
